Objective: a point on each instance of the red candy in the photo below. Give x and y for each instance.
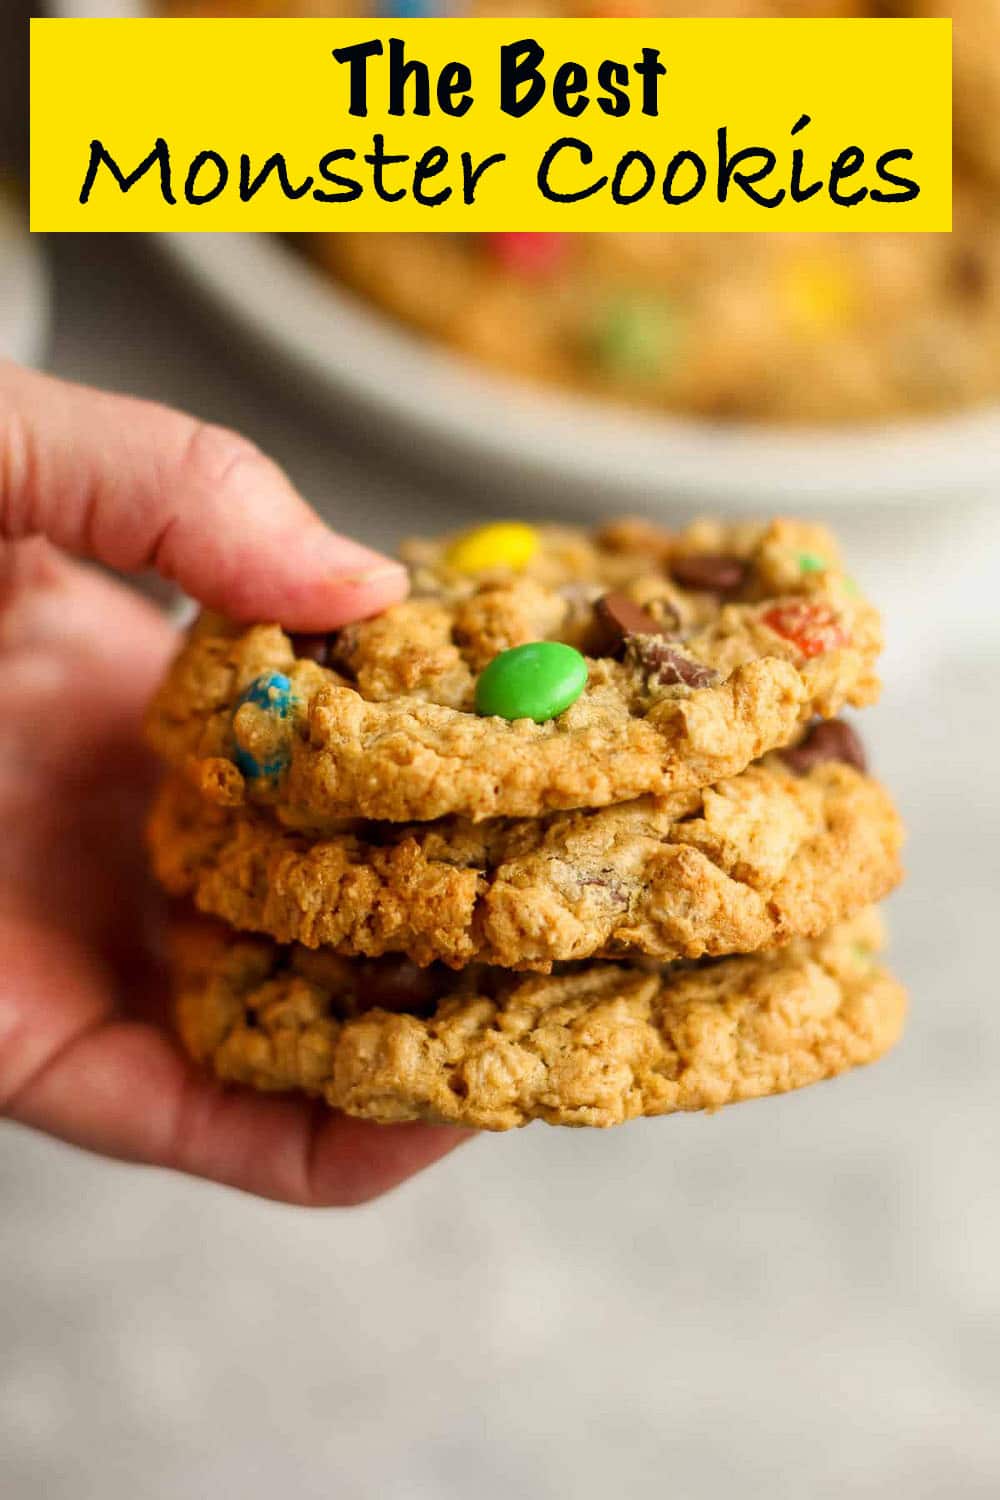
(813, 628)
(528, 254)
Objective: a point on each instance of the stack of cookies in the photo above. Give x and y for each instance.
(573, 834)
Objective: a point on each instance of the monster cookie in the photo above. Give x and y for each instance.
(597, 1044)
(782, 850)
(576, 672)
(749, 328)
(610, 762)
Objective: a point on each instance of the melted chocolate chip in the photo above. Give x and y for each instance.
(830, 740)
(709, 573)
(670, 667)
(313, 648)
(398, 985)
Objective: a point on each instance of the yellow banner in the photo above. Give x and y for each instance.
(487, 124)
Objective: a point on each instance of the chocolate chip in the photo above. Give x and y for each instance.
(670, 667)
(624, 616)
(708, 572)
(312, 648)
(331, 650)
(677, 669)
(398, 985)
(830, 740)
(617, 619)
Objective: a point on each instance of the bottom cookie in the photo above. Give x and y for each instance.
(595, 1044)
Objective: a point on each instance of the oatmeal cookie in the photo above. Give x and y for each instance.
(736, 867)
(595, 1045)
(790, 329)
(537, 670)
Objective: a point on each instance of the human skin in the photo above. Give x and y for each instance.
(84, 1051)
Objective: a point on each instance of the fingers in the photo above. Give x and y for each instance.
(123, 1089)
(135, 485)
(125, 1092)
(49, 605)
(81, 656)
(297, 1151)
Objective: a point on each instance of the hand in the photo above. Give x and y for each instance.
(82, 987)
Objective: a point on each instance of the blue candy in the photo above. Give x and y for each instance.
(272, 691)
(254, 768)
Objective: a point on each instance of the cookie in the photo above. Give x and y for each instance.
(743, 865)
(789, 328)
(628, 663)
(596, 1045)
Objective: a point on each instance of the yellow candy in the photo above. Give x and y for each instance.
(818, 295)
(505, 544)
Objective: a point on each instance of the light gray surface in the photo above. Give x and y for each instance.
(793, 1298)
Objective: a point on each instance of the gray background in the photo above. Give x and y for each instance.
(797, 1297)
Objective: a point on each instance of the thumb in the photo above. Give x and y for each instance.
(135, 485)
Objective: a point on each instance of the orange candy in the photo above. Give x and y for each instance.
(814, 628)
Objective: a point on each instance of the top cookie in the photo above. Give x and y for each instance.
(681, 657)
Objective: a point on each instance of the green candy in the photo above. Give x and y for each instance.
(635, 339)
(538, 681)
(811, 562)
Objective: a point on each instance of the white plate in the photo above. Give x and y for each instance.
(471, 419)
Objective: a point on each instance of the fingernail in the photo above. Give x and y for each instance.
(370, 575)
